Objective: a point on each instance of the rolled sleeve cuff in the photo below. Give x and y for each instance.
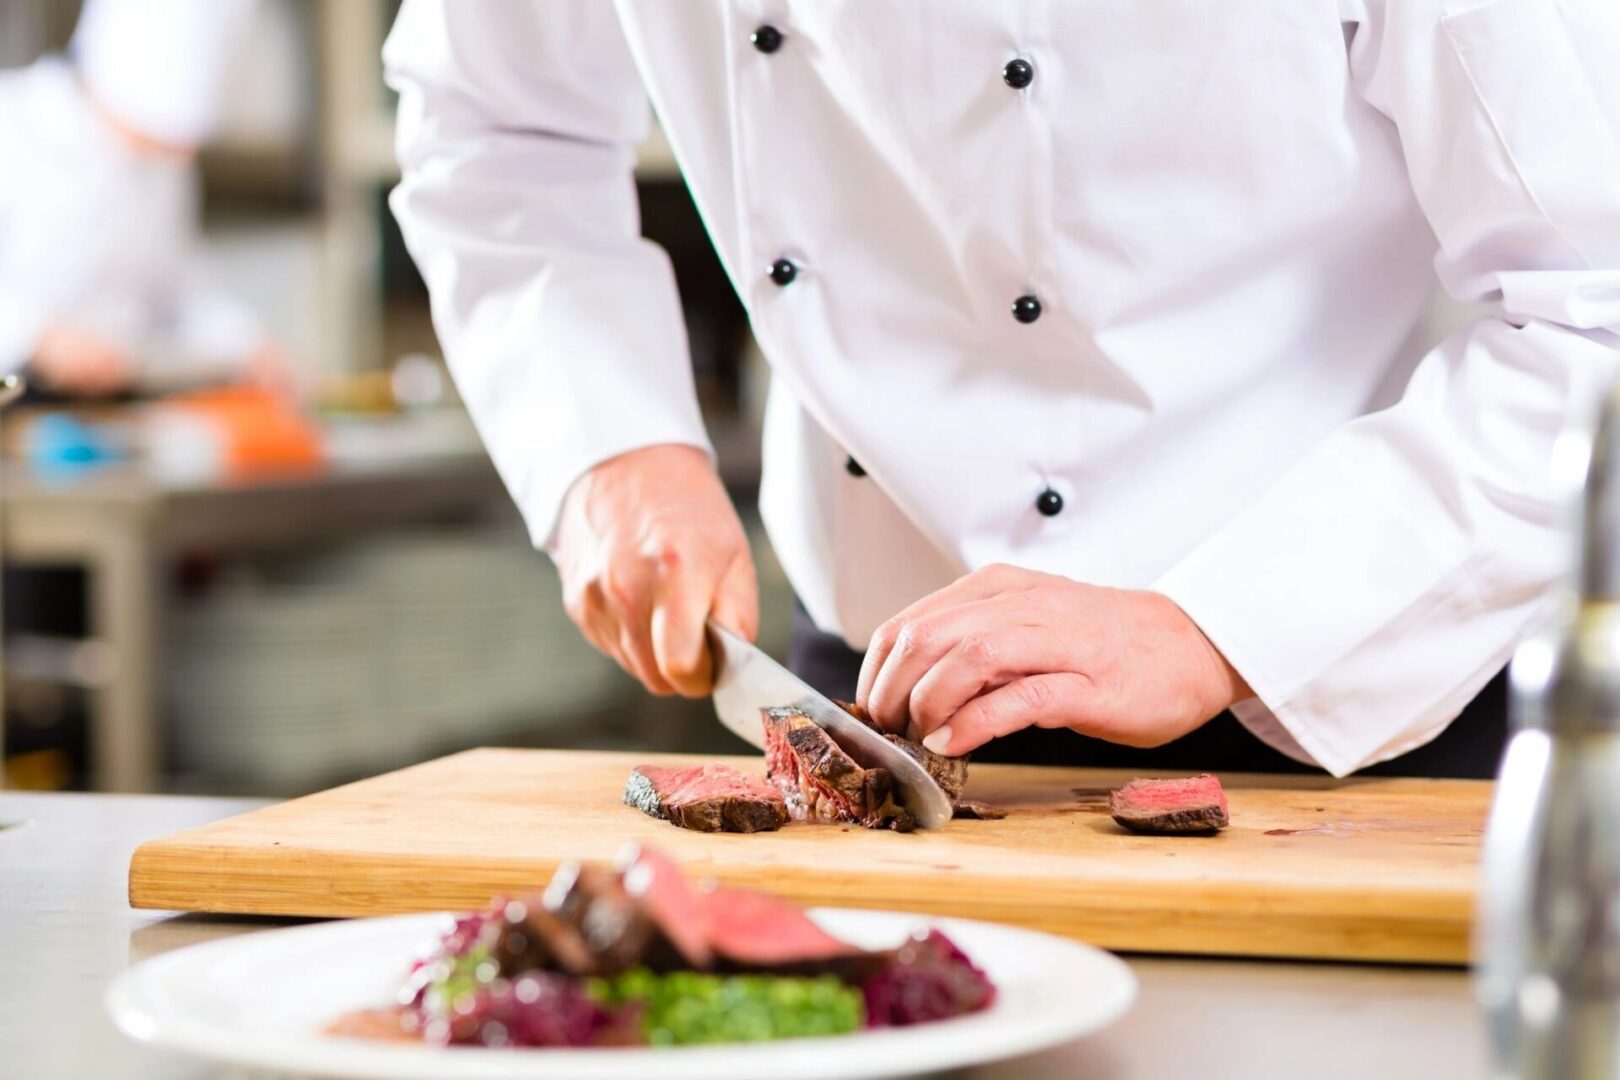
(1325, 597)
(575, 368)
(541, 499)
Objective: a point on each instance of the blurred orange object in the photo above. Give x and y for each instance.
(237, 431)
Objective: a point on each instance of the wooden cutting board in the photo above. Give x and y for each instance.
(1370, 869)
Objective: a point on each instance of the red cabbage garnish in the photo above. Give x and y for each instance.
(928, 979)
(536, 1009)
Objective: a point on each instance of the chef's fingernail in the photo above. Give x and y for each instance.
(938, 739)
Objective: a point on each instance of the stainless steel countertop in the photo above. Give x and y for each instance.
(66, 930)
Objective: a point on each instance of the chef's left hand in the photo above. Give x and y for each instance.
(1005, 648)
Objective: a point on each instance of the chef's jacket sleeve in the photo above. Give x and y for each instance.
(562, 326)
(1387, 575)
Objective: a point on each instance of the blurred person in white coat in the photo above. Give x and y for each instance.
(1091, 420)
(99, 203)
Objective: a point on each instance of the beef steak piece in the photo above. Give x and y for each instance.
(593, 920)
(708, 798)
(821, 783)
(1191, 805)
(725, 928)
(950, 773)
(680, 911)
(584, 923)
(973, 810)
(531, 937)
(618, 929)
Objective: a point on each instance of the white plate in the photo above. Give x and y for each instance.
(260, 1000)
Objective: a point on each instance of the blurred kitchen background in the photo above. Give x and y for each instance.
(211, 585)
(273, 556)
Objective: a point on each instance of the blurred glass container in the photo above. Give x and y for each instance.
(1547, 941)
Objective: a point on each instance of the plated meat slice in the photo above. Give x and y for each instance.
(752, 931)
(594, 920)
(1191, 805)
(587, 922)
(639, 955)
(821, 783)
(679, 910)
(708, 798)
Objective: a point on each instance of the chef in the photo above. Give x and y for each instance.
(99, 288)
(1092, 416)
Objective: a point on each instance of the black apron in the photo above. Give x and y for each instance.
(1470, 747)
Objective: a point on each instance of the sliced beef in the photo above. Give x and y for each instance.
(619, 930)
(950, 773)
(821, 783)
(531, 937)
(734, 929)
(643, 913)
(752, 931)
(592, 920)
(974, 810)
(681, 912)
(1191, 805)
(708, 798)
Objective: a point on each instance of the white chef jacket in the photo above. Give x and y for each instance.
(1230, 216)
(94, 233)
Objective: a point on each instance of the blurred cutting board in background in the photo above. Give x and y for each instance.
(1374, 869)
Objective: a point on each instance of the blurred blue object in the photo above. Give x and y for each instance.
(59, 447)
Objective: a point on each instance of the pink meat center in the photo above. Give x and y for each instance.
(707, 782)
(807, 798)
(1167, 796)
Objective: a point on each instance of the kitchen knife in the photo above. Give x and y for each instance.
(746, 680)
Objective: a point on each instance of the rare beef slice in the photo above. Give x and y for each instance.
(821, 783)
(707, 798)
(1169, 807)
(592, 920)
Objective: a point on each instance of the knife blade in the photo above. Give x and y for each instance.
(747, 680)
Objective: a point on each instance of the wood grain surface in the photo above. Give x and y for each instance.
(1370, 869)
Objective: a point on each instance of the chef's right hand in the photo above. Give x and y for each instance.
(649, 546)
